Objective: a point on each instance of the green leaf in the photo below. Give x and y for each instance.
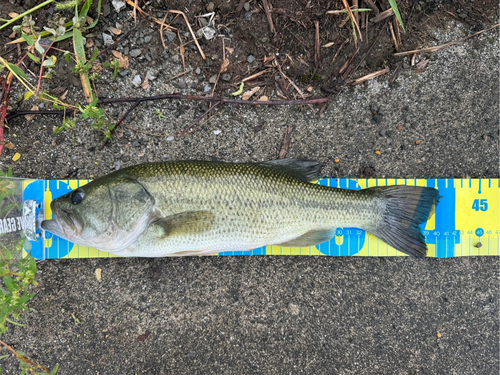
(11, 284)
(55, 370)
(7, 254)
(38, 47)
(92, 25)
(66, 35)
(94, 56)
(4, 356)
(394, 7)
(9, 172)
(18, 70)
(85, 9)
(27, 38)
(33, 57)
(49, 61)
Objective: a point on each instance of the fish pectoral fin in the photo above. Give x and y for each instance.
(185, 223)
(311, 238)
(304, 170)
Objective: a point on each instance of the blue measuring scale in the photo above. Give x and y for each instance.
(466, 222)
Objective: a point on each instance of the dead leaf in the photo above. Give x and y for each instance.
(90, 43)
(263, 98)
(248, 94)
(63, 96)
(57, 90)
(224, 66)
(422, 65)
(13, 14)
(97, 68)
(145, 85)
(115, 31)
(310, 89)
(140, 155)
(13, 35)
(98, 274)
(124, 63)
(27, 30)
(9, 145)
(230, 50)
(89, 20)
(31, 116)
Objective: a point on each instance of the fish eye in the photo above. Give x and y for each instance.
(77, 196)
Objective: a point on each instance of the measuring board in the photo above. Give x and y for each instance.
(466, 221)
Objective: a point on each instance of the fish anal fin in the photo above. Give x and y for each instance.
(311, 238)
(185, 223)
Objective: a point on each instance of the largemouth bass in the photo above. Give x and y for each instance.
(194, 208)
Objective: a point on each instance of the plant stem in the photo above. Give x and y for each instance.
(41, 66)
(26, 13)
(24, 359)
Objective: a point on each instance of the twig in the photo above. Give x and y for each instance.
(267, 9)
(121, 120)
(25, 359)
(292, 83)
(372, 5)
(437, 48)
(382, 16)
(340, 49)
(369, 76)
(198, 119)
(13, 115)
(212, 99)
(286, 143)
(346, 5)
(41, 67)
(316, 45)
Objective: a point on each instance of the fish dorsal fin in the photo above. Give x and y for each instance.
(311, 238)
(304, 170)
(186, 223)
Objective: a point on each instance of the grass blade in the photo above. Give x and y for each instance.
(394, 7)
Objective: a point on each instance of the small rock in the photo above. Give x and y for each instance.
(217, 131)
(137, 81)
(135, 52)
(265, 40)
(247, 6)
(150, 75)
(123, 73)
(170, 35)
(226, 77)
(118, 5)
(181, 83)
(197, 71)
(108, 39)
(207, 88)
(126, 51)
(213, 79)
(248, 16)
(210, 7)
(170, 138)
(136, 144)
(148, 38)
(251, 59)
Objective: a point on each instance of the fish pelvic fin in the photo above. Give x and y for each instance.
(404, 208)
(304, 170)
(311, 238)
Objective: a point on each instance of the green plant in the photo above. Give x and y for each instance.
(395, 9)
(115, 64)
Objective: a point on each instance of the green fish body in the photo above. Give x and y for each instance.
(194, 208)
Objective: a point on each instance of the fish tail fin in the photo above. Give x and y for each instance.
(403, 209)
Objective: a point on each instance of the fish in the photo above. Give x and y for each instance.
(178, 208)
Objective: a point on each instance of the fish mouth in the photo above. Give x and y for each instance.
(65, 224)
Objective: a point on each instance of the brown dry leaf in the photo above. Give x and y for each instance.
(310, 89)
(422, 65)
(13, 14)
(9, 145)
(248, 94)
(32, 116)
(124, 63)
(263, 98)
(224, 66)
(27, 30)
(89, 20)
(230, 50)
(97, 68)
(140, 155)
(90, 43)
(63, 96)
(145, 85)
(13, 35)
(115, 31)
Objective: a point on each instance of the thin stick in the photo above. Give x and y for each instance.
(437, 48)
(198, 119)
(316, 45)
(346, 5)
(249, 78)
(286, 143)
(24, 359)
(267, 9)
(121, 120)
(41, 67)
(369, 76)
(211, 99)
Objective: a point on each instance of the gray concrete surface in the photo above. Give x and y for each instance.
(281, 315)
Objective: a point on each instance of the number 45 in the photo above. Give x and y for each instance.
(480, 205)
